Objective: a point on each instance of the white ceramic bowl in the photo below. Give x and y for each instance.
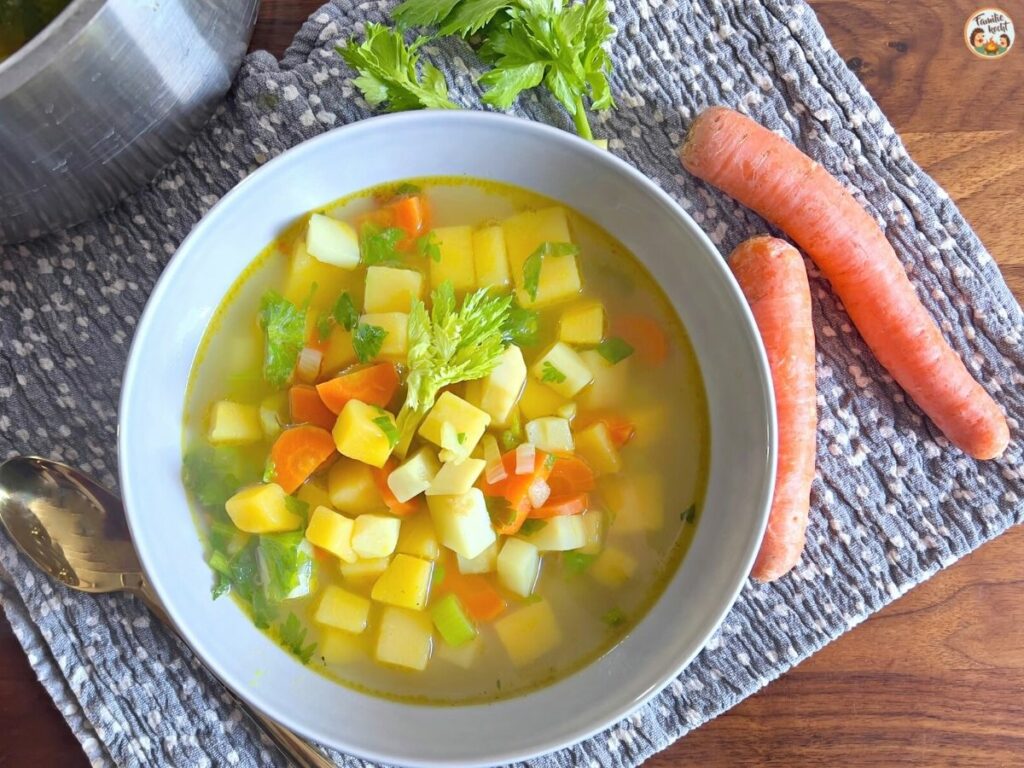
(647, 222)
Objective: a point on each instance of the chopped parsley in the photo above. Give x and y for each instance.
(614, 618)
(284, 326)
(549, 373)
(689, 515)
(367, 341)
(534, 262)
(379, 245)
(531, 526)
(614, 349)
(577, 562)
(292, 635)
(387, 426)
(427, 246)
(522, 327)
(549, 462)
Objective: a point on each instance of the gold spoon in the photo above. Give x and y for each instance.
(74, 530)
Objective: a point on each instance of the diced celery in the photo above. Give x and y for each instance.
(451, 621)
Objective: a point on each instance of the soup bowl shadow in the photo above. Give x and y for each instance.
(701, 291)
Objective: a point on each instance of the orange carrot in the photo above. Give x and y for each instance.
(556, 506)
(775, 179)
(481, 600)
(306, 407)
(375, 385)
(772, 276)
(380, 479)
(297, 453)
(516, 490)
(570, 475)
(644, 334)
(409, 214)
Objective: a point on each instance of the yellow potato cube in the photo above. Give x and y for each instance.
(490, 258)
(463, 523)
(405, 583)
(596, 447)
(609, 387)
(391, 290)
(234, 423)
(559, 280)
(337, 646)
(375, 536)
(314, 494)
(405, 638)
(593, 527)
(518, 566)
(332, 241)
(358, 435)
(456, 262)
(362, 573)
(333, 532)
(304, 271)
(352, 488)
(562, 369)
(465, 655)
(485, 562)
(454, 479)
(636, 501)
(529, 632)
(262, 509)
(527, 231)
(559, 534)
(497, 393)
(341, 609)
(582, 323)
(272, 410)
(396, 344)
(551, 434)
(464, 419)
(417, 537)
(539, 400)
(339, 352)
(414, 476)
(613, 567)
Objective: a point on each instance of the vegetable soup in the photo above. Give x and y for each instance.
(21, 20)
(446, 441)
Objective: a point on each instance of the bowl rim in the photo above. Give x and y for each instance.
(707, 628)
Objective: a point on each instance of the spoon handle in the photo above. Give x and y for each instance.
(300, 751)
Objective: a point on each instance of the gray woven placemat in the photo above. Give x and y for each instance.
(892, 503)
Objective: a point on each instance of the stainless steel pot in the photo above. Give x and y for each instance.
(104, 97)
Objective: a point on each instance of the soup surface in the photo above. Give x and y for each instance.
(21, 20)
(446, 441)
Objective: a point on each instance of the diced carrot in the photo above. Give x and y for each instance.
(644, 334)
(297, 453)
(380, 477)
(516, 490)
(570, 475)
(409, 213)
(306, 407)
(480, 599)
(556, 506)
(774, 178)
(375, 385)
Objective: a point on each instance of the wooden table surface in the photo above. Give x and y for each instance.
(936, 679)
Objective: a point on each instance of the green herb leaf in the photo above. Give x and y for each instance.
(379, 245)
(422, 13)
(269, 471)
(534, 262)
(345, 313)
(437, 577)
(614, 618)
(614, 349)
(286, 564)
(324, 323)
(577, 562)
(284, 326)
(689, 515)
(367, 341)
(389, 71)
(461, 437)
(297, 507)
(387, 193)
(550, 373)
(512, 436)
(428, 247)
(522, 327)
(247, 584)
(549, 462)
(532, 525)
(213, 474)
(292, 635)
(387, 426)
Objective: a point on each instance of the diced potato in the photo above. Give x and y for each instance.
(582, 323)
(497, 393)
(352, 489)
(314, 494)
(332, 241)
(529, 632)
(559, 281)
(272, 410)
(650, 422)
(418, 537)
(490, 258)
(518, 566)
(454, 479)
(464, 419)
(262, 509)
(234, 423)
(596, 447)
(333, 532)
(392, 290)
(375, 536)
(339, 352)
(304, 272)
(362, 573)
(405, 583)
(358, 436)
(539, 400)
(405, 638)
(613, 567)
(526, 231)
(636, 501)
(609, 387)
(414, 476)
(456, 262)
(594, 524)
(341, 609)
(462, 522)
(339, 647)
(567, 411)
(396, 344)
(485, 562)
(560, 534)
(464, 656)
(551, 434)
(562, 369)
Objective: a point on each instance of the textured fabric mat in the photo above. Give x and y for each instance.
(892, 503)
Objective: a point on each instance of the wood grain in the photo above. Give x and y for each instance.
(937, 678)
